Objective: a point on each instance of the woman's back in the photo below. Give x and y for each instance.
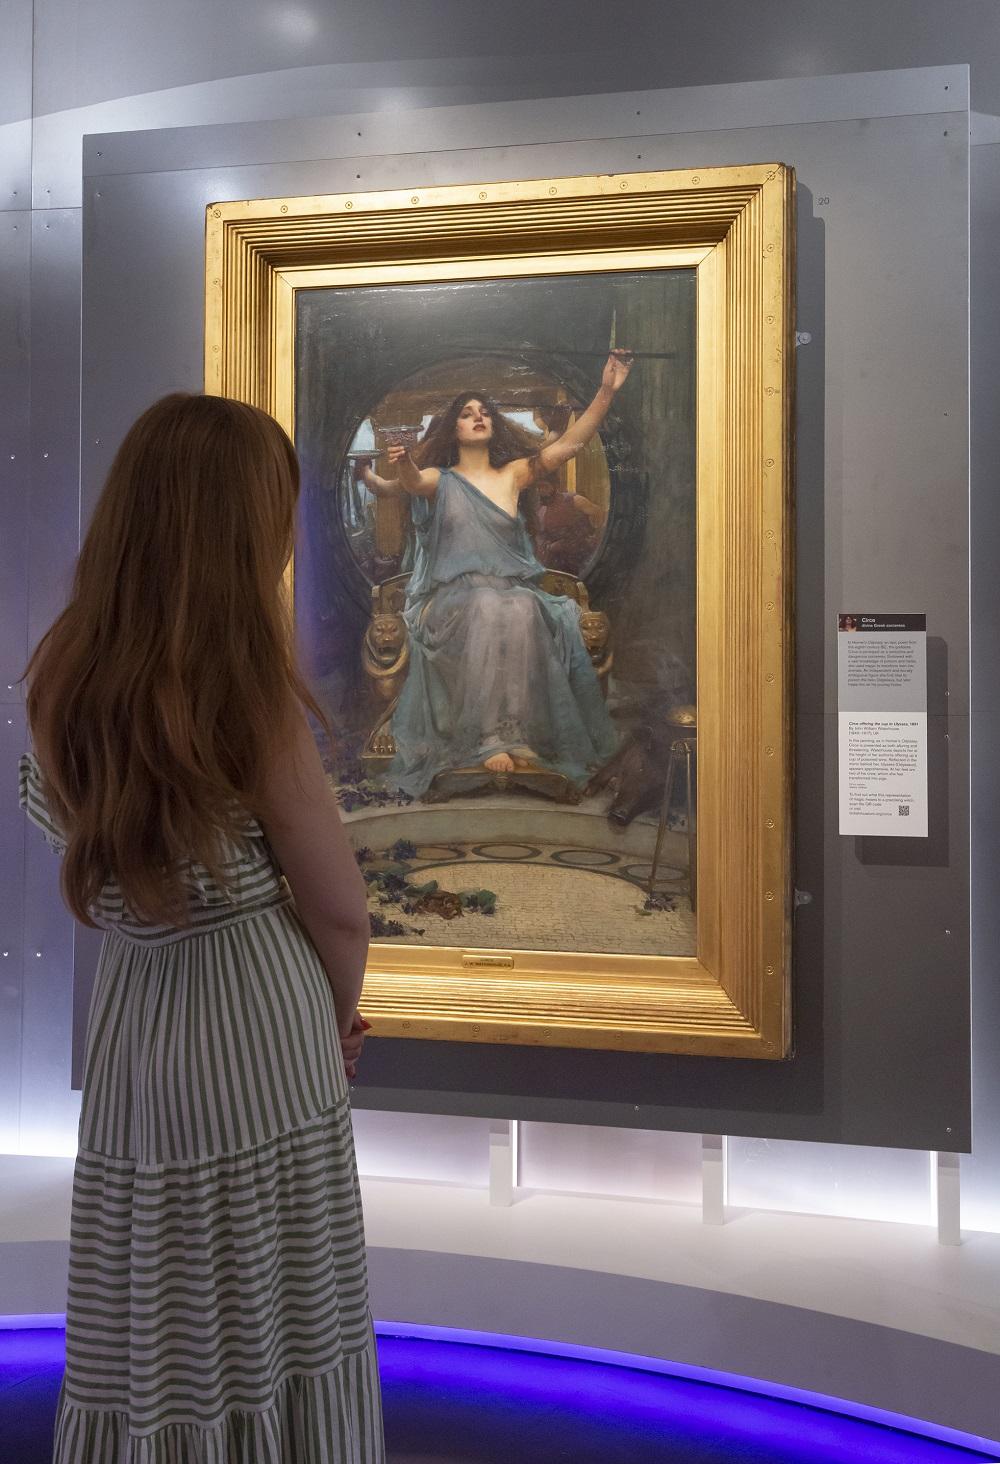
(217, 1309)
(252, 879)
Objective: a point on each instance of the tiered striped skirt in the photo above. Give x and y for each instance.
(218, 1297)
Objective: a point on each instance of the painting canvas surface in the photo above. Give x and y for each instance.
(431, 625)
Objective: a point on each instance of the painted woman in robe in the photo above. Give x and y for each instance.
(499, 674)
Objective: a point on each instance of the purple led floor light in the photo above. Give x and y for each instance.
(734, 1382)
(26, 1348)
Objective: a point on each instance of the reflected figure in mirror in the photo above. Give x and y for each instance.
(569, 527)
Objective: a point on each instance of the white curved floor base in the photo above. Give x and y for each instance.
(876, 1313)
(881, 1367)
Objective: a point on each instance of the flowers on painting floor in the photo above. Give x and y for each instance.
(390, 882)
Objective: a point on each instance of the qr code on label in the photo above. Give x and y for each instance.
(904, 810)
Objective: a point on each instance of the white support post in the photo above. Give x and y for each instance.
(714, 1179)
(503, 1161)
(946, 1196)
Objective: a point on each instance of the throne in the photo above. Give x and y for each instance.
(386, 656)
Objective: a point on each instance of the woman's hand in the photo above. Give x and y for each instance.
(616, 370)
(554, 454)
(352, 1044)
(408, 476)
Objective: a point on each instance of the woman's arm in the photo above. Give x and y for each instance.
(301, 821)
(381, 487)
(554, 454)
(412, 479)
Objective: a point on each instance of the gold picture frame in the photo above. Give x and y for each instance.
(735, 227)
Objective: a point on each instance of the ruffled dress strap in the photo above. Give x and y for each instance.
(31, 796)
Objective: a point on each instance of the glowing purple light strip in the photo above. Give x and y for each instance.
(736, 1382)
(763, 1387)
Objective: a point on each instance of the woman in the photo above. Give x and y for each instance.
(217, 1306)
(499, 674)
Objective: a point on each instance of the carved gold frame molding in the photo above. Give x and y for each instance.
(735, 228)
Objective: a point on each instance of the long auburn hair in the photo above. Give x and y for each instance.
(156, 697)
(438, 448)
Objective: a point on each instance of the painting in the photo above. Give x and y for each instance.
(495, 597)
(542, 586)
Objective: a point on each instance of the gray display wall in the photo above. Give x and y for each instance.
(881, 952)
(985, 619)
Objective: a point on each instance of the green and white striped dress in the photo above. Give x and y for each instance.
(218, 1293)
